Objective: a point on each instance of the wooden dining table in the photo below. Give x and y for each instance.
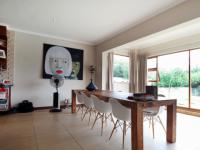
(137, 107)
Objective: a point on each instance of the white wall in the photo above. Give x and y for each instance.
(28, 81)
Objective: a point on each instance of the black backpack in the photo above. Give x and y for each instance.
(25, 106)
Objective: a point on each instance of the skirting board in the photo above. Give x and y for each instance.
(49, 107)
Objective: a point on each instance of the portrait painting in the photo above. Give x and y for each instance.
(62, 60)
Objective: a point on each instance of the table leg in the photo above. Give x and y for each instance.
(171, 123)
(137, 126)
(73, 107)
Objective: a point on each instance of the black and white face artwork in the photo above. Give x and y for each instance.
(63, 61)
(58, 61)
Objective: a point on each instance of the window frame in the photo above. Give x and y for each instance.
(152, 70)
(182, 109)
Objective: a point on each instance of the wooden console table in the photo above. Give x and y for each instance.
(137, 114)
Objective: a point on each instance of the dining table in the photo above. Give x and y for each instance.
(137, 105)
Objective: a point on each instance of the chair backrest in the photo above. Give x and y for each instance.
(87, 101)
(101, 106)
(119, 111)
(153, 111)
(80, 97)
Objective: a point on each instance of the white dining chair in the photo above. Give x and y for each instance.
(123, 115)
(104, 111)
(152, 115)
(80, 100)
(89, 105)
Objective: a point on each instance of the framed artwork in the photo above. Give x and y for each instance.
(67, 60)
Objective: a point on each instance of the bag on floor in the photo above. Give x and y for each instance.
(25, 106)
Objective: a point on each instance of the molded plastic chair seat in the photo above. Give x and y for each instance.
(104, 111)
(152, 114)
(122, 113)
(119, 111)
(88, 104)
(153, 111)
(87, 101)
(80, 100)
(100, 105)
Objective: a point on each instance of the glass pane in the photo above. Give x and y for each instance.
(195, 78)
(151, 63)
(121, 73)
(174, 82)
(151, 75)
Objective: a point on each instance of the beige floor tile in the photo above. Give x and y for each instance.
(50, 130)
(14, 132)
(64, 144)
(18, 144)
(42, 130)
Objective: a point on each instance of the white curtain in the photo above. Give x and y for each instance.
(142, 73)
(133, 71)
(137, 72)
(110, 71)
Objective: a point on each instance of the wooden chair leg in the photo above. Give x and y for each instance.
(95, 120)
(105, 118)
(161, 123)
(124, 132)
(152, 119)
(102, 121)
(113, 129)
(90, 111)
(149, 122)
(112, 119)
(82, 108)
(128, 126)
(79, 107)
(85, 114)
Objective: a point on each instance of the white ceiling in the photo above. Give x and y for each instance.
(86, 21)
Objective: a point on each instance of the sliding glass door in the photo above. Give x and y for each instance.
(195, 78)
(174, 75)
(177, 76)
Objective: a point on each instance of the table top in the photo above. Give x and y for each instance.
(122, 97)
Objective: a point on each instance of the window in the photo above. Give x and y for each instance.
(195, 78)
(177, 76)
(152, 71)
(174, 81)
(121, 73)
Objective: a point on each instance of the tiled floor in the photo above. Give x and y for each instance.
(42, 130)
